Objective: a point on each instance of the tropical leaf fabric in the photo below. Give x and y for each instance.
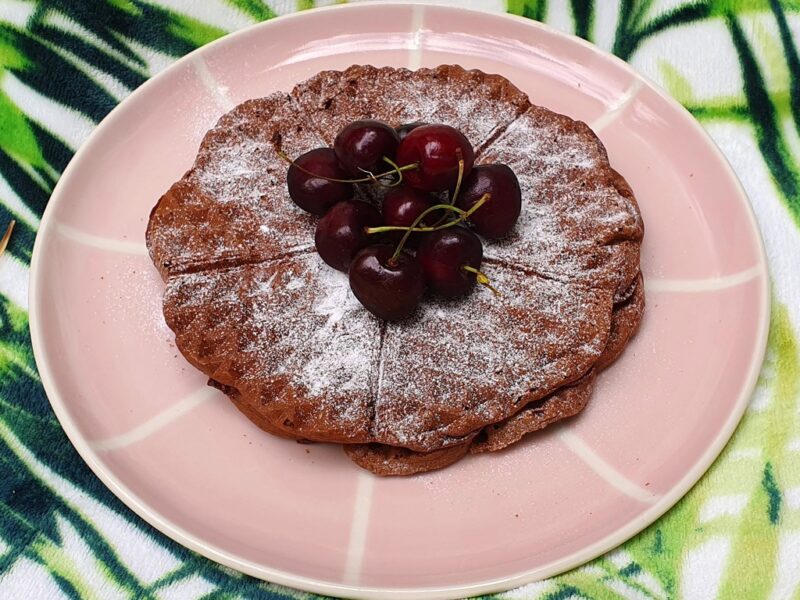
(735, 64)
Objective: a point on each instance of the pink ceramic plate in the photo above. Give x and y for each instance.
(182, 457)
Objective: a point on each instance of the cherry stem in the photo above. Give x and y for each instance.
(453, 198)
(371, 177)
(481, 278)
(7, 236)
(462, 216)
(460, 175)
(414, 228)
(397, 169)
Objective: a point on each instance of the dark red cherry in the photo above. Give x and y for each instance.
(341, 233)
(443, 254)
(315, 194)
(361, 146)
(389, 290)
(402, 206)
(436, 149)
(407, 128)
(495, 218)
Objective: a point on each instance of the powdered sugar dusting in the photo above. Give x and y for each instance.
(462, 363)
(479, 105)
(294, 324)
(343, 349)
(285, 330)
(572, 213)
(234, 204)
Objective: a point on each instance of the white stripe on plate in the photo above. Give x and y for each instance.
(162, 419)
(618, 107)
(219, 92)
(417, 21)
(96, 241)
(605, 470)
(358, 527)
(703, 285)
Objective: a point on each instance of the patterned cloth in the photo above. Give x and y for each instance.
(64, 64)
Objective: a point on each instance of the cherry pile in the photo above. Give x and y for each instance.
(424, 235)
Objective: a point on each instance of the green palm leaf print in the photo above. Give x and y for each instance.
(64, 64)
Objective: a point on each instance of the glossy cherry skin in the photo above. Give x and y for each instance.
(495, 218)
(341, 233)
(390, 291)
(361, 146)
(407, 128)
(436, 149)
(443, 254)
(315, 194)
(402, 206)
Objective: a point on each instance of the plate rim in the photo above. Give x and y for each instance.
(212, 552)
